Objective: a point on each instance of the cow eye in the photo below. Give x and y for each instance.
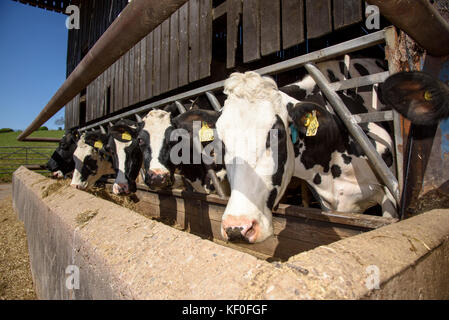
(140, 141)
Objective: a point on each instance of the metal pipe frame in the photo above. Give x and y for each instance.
(137, 20)
(420, 20)
(359, 135)
(317, 56)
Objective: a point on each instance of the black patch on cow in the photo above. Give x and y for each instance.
(317, 179)
(361, 69)
(143, 139)
(346, 159)
(89, 167)
(294, 91)
(343, 69)
(336, 171)
(281, 144)
(387, 156)
(62, 157)
(331, 76)
(329, 138)
(272, 198)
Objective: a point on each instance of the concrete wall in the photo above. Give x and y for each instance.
(123, 255)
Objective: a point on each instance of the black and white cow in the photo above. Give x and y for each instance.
(259, 156)
(92, 161)
(330, 160)
(324, 153)
(418, 96)
(161, 145)
(61, 162)
(126, 155)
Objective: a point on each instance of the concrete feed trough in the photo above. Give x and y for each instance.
(83, 247)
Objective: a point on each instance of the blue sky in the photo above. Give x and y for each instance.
(33, 54)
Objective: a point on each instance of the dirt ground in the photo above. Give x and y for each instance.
(15, 275)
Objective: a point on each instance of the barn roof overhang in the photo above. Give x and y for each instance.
(418, 18)
(50, 5)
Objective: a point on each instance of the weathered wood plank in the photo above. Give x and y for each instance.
(136, 81)
(143, 75)
(174, 50)
(347, 12)
(251, 30)
(206, 38)
(292, 23)
(125, 80)
(131, 76)
(149, 66)
(119, 99)
(234, 8)
(183, 69)
(318, 17)
(112, 86)
(165, 55)
(270, 27)
(157, 61)
(194, 40)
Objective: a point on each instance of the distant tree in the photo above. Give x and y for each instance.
(3, 130)
(60, 121)
(43, 128)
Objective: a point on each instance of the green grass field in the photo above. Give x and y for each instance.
(11, 158)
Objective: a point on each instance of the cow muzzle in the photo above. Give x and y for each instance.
(158, 179)
(240, 229)
(120, 188)
(57, 175)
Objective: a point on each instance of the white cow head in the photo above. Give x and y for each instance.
(91, 162)
(258, 155)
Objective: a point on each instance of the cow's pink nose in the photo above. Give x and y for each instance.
(120, 188)
(78, 186)
(235, 228)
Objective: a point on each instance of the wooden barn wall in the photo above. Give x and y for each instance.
(179, 51)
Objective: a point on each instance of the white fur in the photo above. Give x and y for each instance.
(156, 122)
(82, 151)
(248, 114)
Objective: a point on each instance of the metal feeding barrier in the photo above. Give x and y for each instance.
(329, 89)
(34, 158)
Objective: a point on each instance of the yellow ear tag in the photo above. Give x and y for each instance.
(312, 125)
(126, 136)
(206, 134)
(98, 144)
(427, 96)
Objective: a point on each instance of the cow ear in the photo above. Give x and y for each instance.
(417, 96)
(96, 139)
(123, 133)
(172, 109)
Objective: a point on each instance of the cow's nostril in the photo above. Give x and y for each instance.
(235, 234)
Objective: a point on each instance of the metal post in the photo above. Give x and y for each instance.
(198, 149)
(213, 101)
(346, 116)
(138, 19)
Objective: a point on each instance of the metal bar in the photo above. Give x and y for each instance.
(180, 107)
(197, 148)
(379, 165)
(213, 101)
(327, 53)
(41, 139)
(360, 81)
(392, 46)
(420, 20)
(374, 116)
(137, 19)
